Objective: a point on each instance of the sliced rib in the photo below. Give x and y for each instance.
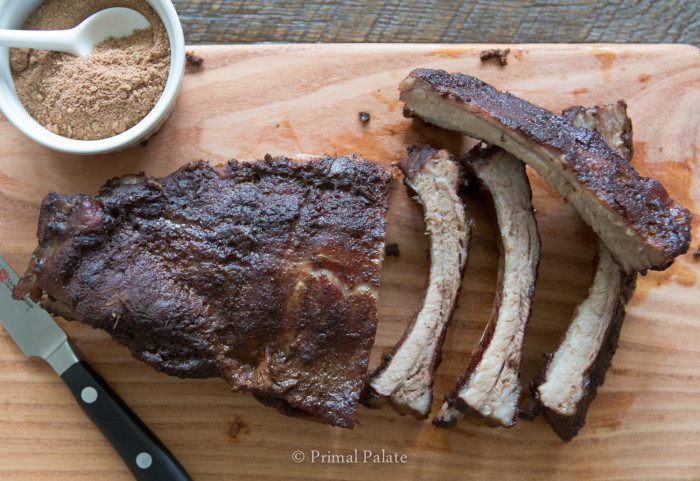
(263, 273)
(406, 376)
(490, 387)
(636, 219)
(569, 382)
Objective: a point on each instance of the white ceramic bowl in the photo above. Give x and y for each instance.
(15, 12)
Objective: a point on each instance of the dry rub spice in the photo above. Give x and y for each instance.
(100, 94)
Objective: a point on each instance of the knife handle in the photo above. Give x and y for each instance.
(144, 454)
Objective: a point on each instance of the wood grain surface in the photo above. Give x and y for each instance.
(247, 101)
(476, 21)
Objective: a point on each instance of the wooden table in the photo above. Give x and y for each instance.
(475, 21)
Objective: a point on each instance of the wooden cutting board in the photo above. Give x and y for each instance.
(247, 101)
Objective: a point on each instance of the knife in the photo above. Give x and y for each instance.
(37, 334)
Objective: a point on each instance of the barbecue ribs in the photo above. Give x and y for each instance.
(263, 273)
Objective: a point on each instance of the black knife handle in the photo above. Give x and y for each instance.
(144, 454)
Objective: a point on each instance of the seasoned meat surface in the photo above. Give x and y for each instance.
(489, 388)
(407, 375)
(634, 216)
(263, 273)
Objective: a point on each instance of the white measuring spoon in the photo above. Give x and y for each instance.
(79, 40)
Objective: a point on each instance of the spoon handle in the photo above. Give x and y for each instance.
(61, 40)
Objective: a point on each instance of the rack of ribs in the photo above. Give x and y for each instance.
(569, 382)
(489, 388)
(642, 227)
(407, 374)
(262, 273)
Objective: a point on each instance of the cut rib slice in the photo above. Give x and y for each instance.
(636, 219)
(490, 387)
(406, 376)
(569, 382)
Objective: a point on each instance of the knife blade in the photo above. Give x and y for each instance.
(32, 328)
(37, 334)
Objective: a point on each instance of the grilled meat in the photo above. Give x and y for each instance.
(635, 218)
(406, 376)
(490, 386)
(569, 382)
(263, 273)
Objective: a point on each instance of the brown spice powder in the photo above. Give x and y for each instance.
(100, 94)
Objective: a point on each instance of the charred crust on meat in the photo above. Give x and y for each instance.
(264, 273)
(499, 53)
(415, 160)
